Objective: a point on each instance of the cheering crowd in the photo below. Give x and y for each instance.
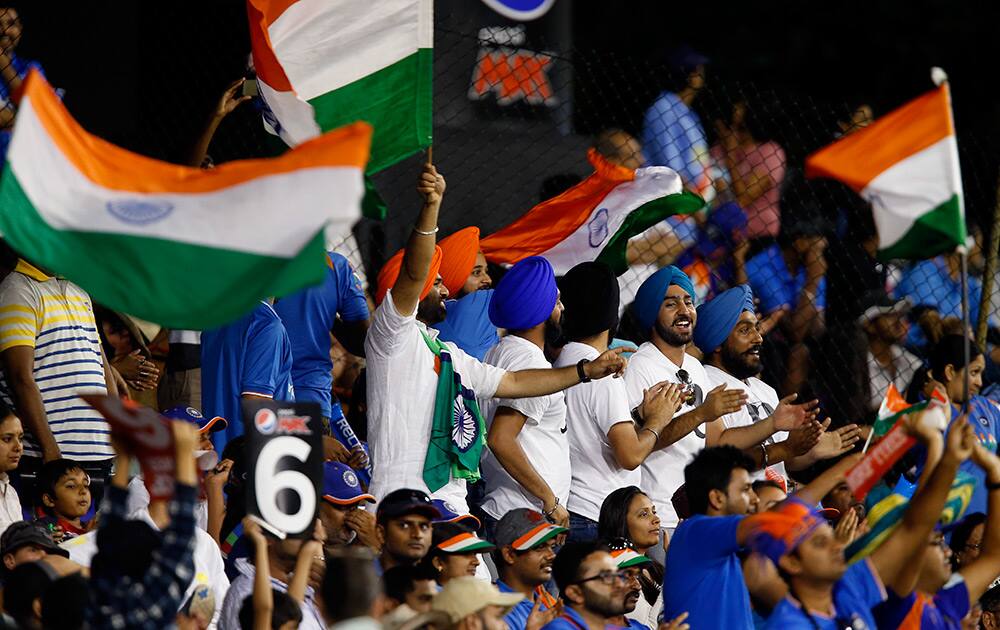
(505, 448)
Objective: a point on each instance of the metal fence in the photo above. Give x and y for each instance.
(517, 106)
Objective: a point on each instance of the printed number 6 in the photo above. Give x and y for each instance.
(269, 484)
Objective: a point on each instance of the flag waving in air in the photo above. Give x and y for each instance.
(183, 247)
(594, 219)
(906, 165)
(325, 63)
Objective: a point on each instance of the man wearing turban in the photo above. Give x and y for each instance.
(463, 266)
(664, 308)
(463, 273)
(527, 465)
(425, 428)
(607, 441)
(776, 433)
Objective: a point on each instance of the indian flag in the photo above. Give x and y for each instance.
(906, 165)
(324, 63)
(594, 219)
(183, 247)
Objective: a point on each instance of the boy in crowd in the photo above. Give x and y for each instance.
(64, 498)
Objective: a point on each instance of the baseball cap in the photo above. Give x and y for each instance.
(878, 303)
(782, 529)
(192, 415)
(450, 514)
(464, 596)
(406, 501)
(629, 557)
(456, 539)
(341, 485)
(525, 529)
(24, 533)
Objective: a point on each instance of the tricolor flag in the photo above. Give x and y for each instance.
(186, 248)
(594, 219)
(325, 63)
(893, 407)
(906, 165)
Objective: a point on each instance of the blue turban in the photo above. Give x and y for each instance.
(650, 296)
(718, 317)
(467, 326)
(525, 296)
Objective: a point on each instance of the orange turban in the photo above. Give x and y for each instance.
(390, 271)
(460, 250)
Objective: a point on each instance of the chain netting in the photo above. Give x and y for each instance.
(515, 110)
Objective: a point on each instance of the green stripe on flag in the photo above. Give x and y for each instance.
(396, 101)
(174, 284)
(641, 219)
(883, 425)
(936, 232)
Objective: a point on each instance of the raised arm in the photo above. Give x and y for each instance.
(981, 572)
(786, 417)
(226, 104)
(545, 381)
(890, 559)
(719, 402)
(263, 597)
(632, 444)
(420, 248)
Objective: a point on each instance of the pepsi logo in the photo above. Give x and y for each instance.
(266, 421)
(140, 211)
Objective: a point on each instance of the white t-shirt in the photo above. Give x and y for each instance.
(208, 566)
(879, 378)
(543, 438)
(138, 499)
(10, 504)
(663, 470)
(591, 410)
(762, 400)
(402, 385)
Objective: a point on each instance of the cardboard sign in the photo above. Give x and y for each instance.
(147, 435)
(284, 464)
(878, 461)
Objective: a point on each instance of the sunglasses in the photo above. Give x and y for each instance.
(689, 393)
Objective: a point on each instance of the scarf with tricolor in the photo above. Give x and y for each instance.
(457, 430)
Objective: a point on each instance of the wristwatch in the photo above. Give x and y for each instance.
(581, 372)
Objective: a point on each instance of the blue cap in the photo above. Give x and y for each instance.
(192, 415)
(341, 485)
(450, 514)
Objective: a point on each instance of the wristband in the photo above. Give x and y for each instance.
(581, 372)
(421, 232)
(651, 431)
(549, 513)
(637, 417)
(763, 449)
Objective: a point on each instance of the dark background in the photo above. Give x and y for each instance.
(146, 75)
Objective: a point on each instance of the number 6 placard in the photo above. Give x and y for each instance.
(285, 464)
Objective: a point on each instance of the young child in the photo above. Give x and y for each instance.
(64, 498)
(11, 449)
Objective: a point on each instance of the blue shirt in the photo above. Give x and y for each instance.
(928, 283)
(704, 576)
(517, 618)
(309, 316)
(854, 595)
(774, 285)
(569, 620)
(467, 324)
(251, 355)
(21, 67)
(984, 416)
(943, 611)
(672, 136)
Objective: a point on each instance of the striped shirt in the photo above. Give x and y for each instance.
(56, 318)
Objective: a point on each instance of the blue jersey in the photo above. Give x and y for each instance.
(251, 355)
(309, 316)
(984, 416)
(775, 286)
(704, 576)
(943, 611)
(854, 595)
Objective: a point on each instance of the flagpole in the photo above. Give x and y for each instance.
(963, 251)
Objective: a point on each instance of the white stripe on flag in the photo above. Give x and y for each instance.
(295, 118)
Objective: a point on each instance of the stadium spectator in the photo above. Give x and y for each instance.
(990, 609)
(769, 493)
(404, 527)
(250, 358)
(336, 306)
(966, 539)
(11, 450)
(664, 308)
(351, 604)
(526, 549)
(473, 604)
(410, 585)
(410, 444)
(27, 542)
(63, 499)
(126, 347)
(592, 587)
(884, 324)
(455, 551)
(281, 565)
(51, 353)
(342, 509)
(527, 464)
(607, 446)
